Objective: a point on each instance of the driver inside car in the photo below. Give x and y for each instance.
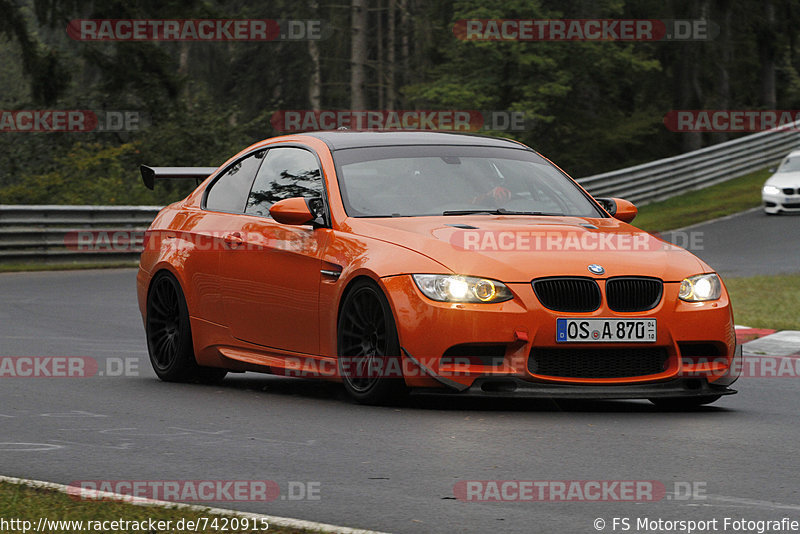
(499, 194)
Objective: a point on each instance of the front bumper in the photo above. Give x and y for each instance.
(522, 326)
(781, 203)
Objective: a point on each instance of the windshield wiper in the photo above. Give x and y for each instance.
(498, 211)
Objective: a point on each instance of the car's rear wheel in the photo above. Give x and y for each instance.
(169, 335)
(368, 347)
(684, 403)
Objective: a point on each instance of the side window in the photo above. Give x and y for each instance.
(287, 172)
(229, 192)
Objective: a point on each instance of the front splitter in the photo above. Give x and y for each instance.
(516, 387)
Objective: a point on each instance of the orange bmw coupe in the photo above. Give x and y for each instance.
(431, 262)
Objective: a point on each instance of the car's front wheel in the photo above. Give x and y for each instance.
(169, 335)
(368, 347)
(684, 403)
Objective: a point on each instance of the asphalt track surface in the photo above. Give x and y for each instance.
(385, 468)
(746, 244)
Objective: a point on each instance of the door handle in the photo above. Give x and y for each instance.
(233, 240)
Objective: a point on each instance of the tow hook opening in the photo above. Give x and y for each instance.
(499, 386)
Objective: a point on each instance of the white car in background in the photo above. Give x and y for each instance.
(781, 192)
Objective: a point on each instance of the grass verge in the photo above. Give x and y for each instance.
(766, 301)
(30, 504)
(694, 207)
(25, 267)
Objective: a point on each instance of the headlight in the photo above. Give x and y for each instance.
(455, 288)
(771, 190)
(700, 288)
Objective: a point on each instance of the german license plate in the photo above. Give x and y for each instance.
(599, 330)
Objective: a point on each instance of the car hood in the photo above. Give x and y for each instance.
(784, 179)
(520, 248)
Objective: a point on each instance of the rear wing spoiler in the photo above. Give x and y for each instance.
(149, 174)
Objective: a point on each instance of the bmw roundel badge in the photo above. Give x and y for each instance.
(596, 269)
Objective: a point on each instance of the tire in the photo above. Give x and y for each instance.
(169, 335)
(368, 348)
(684, 403)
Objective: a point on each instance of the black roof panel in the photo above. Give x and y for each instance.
(341, 139)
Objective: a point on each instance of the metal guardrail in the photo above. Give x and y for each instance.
(663, 178)
(55, 234)
(73, 234)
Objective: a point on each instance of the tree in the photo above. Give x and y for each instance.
(48, 76)
(358, 54)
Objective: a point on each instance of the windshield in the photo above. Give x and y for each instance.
(409, 181)
(790, 165)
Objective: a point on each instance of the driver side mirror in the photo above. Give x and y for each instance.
(619, 208)
(294, 211)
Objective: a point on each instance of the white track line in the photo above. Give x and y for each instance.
(140, 501)
(711, 221)
(749, 503)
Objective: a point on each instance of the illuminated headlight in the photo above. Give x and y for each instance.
(771, 190)
(455, 288)
(700, 288)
